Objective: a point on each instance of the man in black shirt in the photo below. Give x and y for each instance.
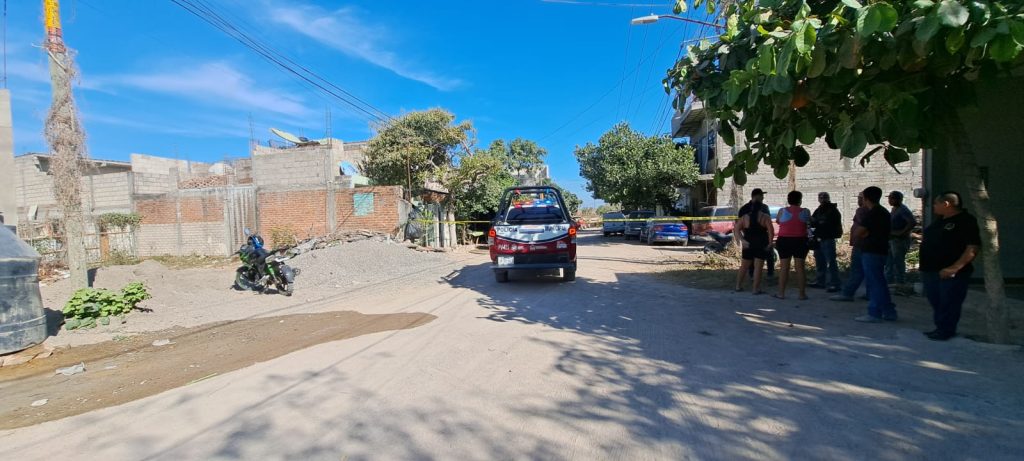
(757, 198)
(874, 237)
(948, 248)
(827, 223)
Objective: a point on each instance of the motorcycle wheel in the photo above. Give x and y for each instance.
(243, 282)
(713, 247)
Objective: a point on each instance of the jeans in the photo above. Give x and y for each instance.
(825, 261)
(896, 264)
(947, 299)
(879, 303)
(856, 274)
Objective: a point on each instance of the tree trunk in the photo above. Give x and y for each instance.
(957, 145)
(792, 175)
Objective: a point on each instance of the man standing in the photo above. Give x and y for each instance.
(856, 267)
(827, 223)
(899, 241)
(874, 251)
(757, 199)
(948, 248)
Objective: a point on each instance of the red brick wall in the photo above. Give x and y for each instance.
(303, 212)
(157, 210)
(385, 209)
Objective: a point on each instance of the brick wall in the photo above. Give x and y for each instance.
(199, 228)
(303, 212)
(386, 216)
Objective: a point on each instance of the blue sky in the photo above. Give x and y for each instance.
(157, 80)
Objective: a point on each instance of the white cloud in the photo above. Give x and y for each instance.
(343, 31)
(31, 71)
(213, 83)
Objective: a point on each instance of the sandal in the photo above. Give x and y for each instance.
(804, 298)
(738, 290)
(776, 296)
(758, 292)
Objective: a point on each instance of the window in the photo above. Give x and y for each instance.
(363, 204)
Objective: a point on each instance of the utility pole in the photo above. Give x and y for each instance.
(66, 138)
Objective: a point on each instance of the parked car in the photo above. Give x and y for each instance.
(655, 231)
(532, 231)
(634, 222)
(612, 223)
(700, 228)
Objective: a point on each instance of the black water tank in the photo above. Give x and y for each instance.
(22, 318)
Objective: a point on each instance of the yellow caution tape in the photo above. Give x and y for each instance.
(666, 219)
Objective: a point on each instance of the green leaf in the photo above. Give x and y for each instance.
(868, 20)
(982, 38)
(726, 132)
(955, 40)
(766, 59)
(781, 171)
(680, 6)
(805, 39)
(782, 65)
(753, 92)
(818, 62)
(806, 133)
(1017, 31)
(719, 181)
(854, 144)
(800, 156)
(888, 17)
(952, 13)
(848, 52)
(1003, 48)
(923, 4)
(853, 4)
(788, 139)
(895, 155)
(740, 176)
(927, 28)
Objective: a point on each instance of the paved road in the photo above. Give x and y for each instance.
(618, 365)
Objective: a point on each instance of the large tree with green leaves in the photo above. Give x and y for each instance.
(874, 77)
(414, 148)
(634, 170)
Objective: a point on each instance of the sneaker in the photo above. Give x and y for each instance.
(843, 298)
(940, 336)
(890, 318)
(868, 319)
(832, 290)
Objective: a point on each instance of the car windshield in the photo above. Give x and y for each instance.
(727, 211)
(533, 206)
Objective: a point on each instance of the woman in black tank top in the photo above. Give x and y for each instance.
(754, 231)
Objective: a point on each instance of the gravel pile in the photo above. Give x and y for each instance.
(364, 262)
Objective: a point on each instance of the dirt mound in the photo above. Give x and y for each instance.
(362, 262)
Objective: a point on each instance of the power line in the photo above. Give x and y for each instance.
(625, 60)
(208, 15)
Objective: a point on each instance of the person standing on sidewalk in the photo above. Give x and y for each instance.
(754, 232)
(856, 277)
(949, 247)
(899, 241)
(874, 251)
(827, 223)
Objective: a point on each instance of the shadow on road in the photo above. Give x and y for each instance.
(728, 379)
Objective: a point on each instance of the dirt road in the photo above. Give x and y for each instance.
(620, 364)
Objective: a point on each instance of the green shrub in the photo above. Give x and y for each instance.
(89, 306)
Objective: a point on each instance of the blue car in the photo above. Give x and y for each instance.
(667, 232)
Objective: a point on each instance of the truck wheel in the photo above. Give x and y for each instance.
(501, 276)
(568, 275)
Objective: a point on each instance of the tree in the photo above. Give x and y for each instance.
(476, 184)
(66, 137)
(634, 170)
(888, 75)
(414, 148)
(572, 201)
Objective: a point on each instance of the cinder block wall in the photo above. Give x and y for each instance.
(200, 230)
(291, 167)
(842, 178)
(101, 192)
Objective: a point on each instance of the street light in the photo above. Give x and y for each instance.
(653, 18)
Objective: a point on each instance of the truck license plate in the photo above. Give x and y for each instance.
(504, 261)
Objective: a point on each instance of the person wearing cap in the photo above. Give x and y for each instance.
(948, 248)
(899, 241)
(757, 197)
(827, 223)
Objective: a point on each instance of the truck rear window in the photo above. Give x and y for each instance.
(533, 206)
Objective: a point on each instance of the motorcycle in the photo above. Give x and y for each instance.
(719, 242)
(262, 269)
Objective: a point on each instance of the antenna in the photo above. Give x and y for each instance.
(328, 130)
